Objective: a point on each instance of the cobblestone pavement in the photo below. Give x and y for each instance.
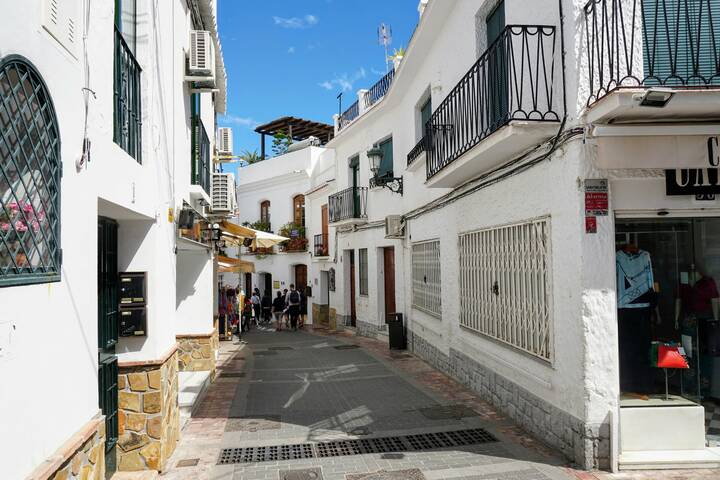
(285, 388)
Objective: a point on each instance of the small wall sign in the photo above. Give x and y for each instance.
(590, 224)
(596, 197)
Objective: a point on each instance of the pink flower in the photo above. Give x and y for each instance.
(20, 226)
(27, 208)
(4, 227)
(35, 226)
(41, 215)
(13, 206)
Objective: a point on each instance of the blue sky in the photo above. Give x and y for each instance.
(293, 57)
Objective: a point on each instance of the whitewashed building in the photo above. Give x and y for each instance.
(107, 127)
(499, 188)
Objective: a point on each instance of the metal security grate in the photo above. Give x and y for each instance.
(426, 290)
(505, 285)
(281, 348)
(232, 374)
(30, 173)
(342, 448)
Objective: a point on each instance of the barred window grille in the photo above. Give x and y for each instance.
(505, 285)
(426, 283)
(363, 273)
(30, 172)
(127, 131)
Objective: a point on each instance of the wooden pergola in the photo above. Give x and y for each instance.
(297, 129)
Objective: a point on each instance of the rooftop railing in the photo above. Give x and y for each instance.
(367, 100)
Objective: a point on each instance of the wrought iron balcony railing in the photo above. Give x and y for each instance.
(127, 124)
(417, 150)
(380, 88)
(636, 43)
(373, 95)
(513, 80)
(201, 164)
(349, 115)
(322, 248)
(348, 204)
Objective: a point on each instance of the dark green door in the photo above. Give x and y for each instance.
(355, 170)
(497, 107)
(108, 334)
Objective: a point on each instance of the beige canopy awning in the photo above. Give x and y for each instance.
(234, 265)
(266, 240)
(235, 234)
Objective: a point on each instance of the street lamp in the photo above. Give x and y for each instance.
(394, 184)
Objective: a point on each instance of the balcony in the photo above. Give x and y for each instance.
(367, 98)
(348, 206)
(510, 101)
(127, 131)
(417, 151)
(633, 45)
(201, 171)
(322, 248)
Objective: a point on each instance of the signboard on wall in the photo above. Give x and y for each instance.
(331, 280)
(696, 181)
(596, 196)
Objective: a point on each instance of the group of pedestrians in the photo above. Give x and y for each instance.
(289, 308)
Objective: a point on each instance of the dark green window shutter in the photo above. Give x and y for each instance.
(386, 165)
(495, 23)
(680, 42)
(425, 113)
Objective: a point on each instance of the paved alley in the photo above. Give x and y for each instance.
(301, 389)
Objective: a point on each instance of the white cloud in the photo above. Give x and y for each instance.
(291, 50)
(230, 119)
(297, 22)
(344, 82)
(378, 72)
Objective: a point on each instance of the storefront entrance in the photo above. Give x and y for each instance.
(679, 260)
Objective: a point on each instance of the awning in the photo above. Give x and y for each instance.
(235, 234)
(266, 240)
(234, 265)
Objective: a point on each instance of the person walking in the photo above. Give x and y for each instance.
(247, 314)
(256, 305)
(278, 306)
(286, 317)
(293, 306)
(266, 304)
(303, 308)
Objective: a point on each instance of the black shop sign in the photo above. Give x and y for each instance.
(697, 181)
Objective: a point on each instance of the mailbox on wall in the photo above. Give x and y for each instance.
(133, 289)
(133, 304)
(132, 322)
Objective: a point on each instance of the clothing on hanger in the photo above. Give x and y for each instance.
(634, 279)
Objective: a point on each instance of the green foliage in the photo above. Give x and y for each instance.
(250, 157)
(280, 144)
(295, 244)
(258, 225)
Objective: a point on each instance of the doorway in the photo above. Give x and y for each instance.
(684, 265)
(353, 307)
(107, 265)
(267, 283)
(248, 285)
(300, 277)
(389, 280)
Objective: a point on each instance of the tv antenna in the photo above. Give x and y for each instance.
(385, 39)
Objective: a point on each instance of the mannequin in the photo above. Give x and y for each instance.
(636, 299)
(694, 299)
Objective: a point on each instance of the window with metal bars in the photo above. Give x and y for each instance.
(30, 173)
(363, 270)
(127, 119)
(426, 282)
(201, 170)
(505, 287)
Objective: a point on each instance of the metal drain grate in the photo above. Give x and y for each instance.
(341, 448)
(281, 348)
(346, 347)
(232, 374)
(265, 352)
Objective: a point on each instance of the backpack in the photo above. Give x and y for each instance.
(294, 297)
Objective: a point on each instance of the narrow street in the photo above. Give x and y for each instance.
(299, 388)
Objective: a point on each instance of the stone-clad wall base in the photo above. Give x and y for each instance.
(321, 315)
(81, 457)
(196, 353)
(587, 445)
(149, 417)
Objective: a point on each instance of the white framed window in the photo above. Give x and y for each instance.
(505, 286)
(426, 282)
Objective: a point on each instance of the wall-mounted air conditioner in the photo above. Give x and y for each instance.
(225, 141)
(201, 58)
(394, 226)
(223, 193)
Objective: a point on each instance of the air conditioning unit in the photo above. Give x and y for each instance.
(223, 193)
(394, 226)
(201, 59)
(225, 141)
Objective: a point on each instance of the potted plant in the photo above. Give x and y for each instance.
(296, 234)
